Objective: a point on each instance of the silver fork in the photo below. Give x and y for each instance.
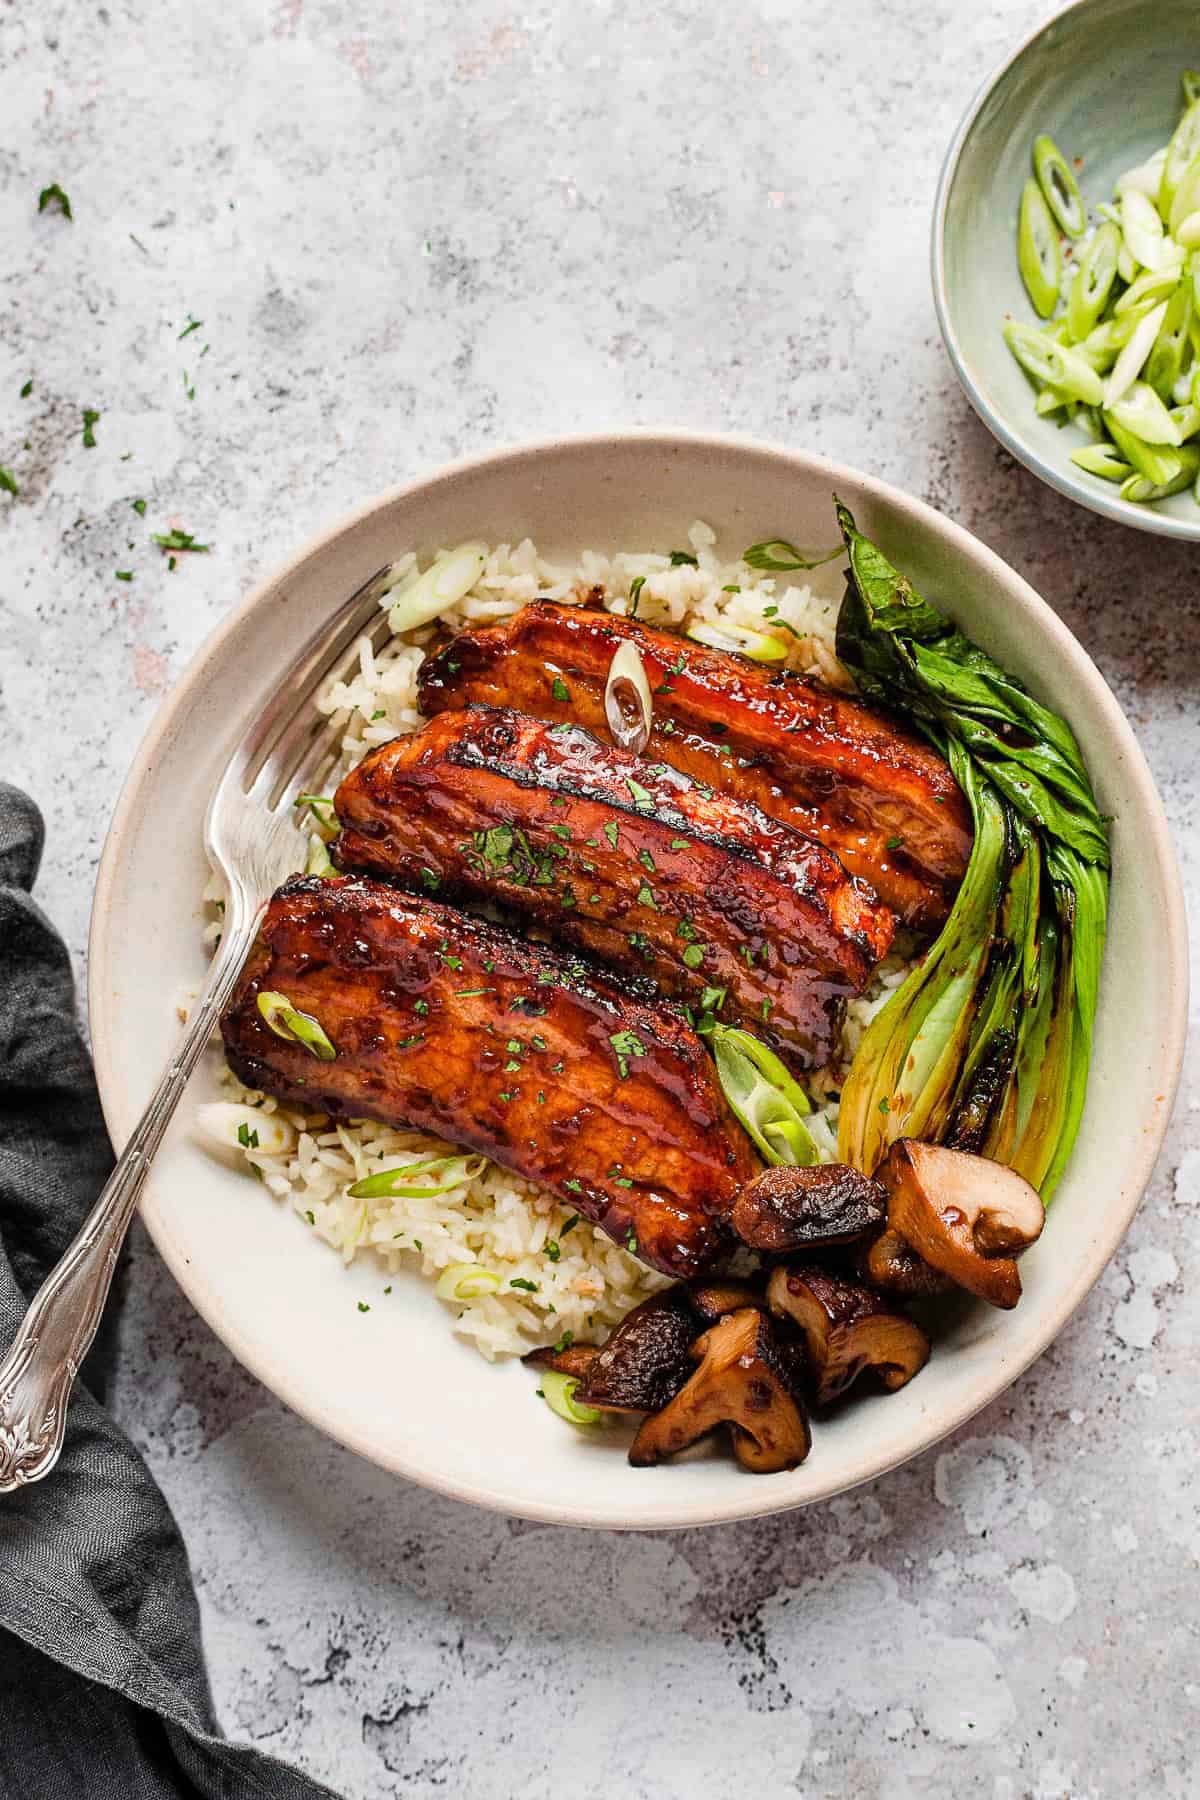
(252, 841)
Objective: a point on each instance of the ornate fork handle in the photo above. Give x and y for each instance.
(37, 1373)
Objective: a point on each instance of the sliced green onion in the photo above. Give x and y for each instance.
(558, 1391)
(778, 556)
(741, 638)
(1093, 281)
(1188, 233)
(1059, 186)
(396, 1183)
(1186, 198)
(1143, 413)
(1151, 286)
(1132, 359)
(628, 705)
(1165, 363)
(1139, 488)
(444, 583)
(318, 861)
(1051, 400)
(285, 1021)
(1159, 466)
(465, 1281)
(1186, 419)
(1101, 460)
(1190, 81)
(1038, 255)
(1142, 229)
(1145, 177)
(765, 1100)
(1182, 153)
(1054, 365)
(321, 807)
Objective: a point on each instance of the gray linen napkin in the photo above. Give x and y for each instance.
(103, 1691)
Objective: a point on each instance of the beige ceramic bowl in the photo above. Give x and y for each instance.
(393, 1383)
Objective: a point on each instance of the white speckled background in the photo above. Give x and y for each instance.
(414, 231)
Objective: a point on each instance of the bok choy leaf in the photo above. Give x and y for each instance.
(986, 1045)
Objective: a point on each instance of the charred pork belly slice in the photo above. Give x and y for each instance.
(633, 861)
(456, 1027)
(826, 765)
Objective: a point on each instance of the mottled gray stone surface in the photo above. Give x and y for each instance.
(415, 231)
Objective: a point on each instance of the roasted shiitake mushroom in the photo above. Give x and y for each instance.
(790, 1208)
(848, 1330)
(750, 1379)
(963, 1215)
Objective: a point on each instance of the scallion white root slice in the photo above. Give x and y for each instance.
(445, 582)
(1132, 359)
(239, 1127)
(1142, 228)
(1059, 186)
(628, 704)
(466, 1281)
(318, 861)
(559, 1393)
(757, 645)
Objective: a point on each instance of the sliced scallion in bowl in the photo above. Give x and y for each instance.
(1117, 293)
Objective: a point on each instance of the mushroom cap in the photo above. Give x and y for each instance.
(750, 1378)
(847, 1329)
(646, 1360)
(711, 1300)
(963, 1214)
(574, 1359)
(790, 1208)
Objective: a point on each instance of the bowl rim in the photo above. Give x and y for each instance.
(1122, 512)
(754, 1500)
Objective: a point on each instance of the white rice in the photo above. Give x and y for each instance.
(579, 1283)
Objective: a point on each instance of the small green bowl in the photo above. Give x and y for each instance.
(1103, 79)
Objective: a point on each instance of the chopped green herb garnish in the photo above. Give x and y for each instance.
(124, 574)
(8, 481)
(430, 882)
(472, 993)
(139, 507)
(885, 1105)
(679, 844)
(510, 1094)
(623, 1181)
(732, 588)
(626, 1044)
(635, 594)
(311, 1217)
(712, 999)
(192, 325)
(894, 843)
(693, 956)
(562, 831)
(512, 1066)
(686, 930)
(177, 540)
(91, 418)
(564, 1342)
(611, 832)
(559, 689)
(54, 196)
(573, 1186)
(640, 796)
(553, 1251)
(246, 1138)
(379, 713)
(570, 1225)
(406, 1043)
(646, 860)
(646, 898)
(766, 1011)
(631, 1243)
(683, 559)
(421, 1007)
(363, 1307)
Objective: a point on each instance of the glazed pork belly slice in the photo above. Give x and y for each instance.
(634, 862)
(454, 1026)
(825, 764)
